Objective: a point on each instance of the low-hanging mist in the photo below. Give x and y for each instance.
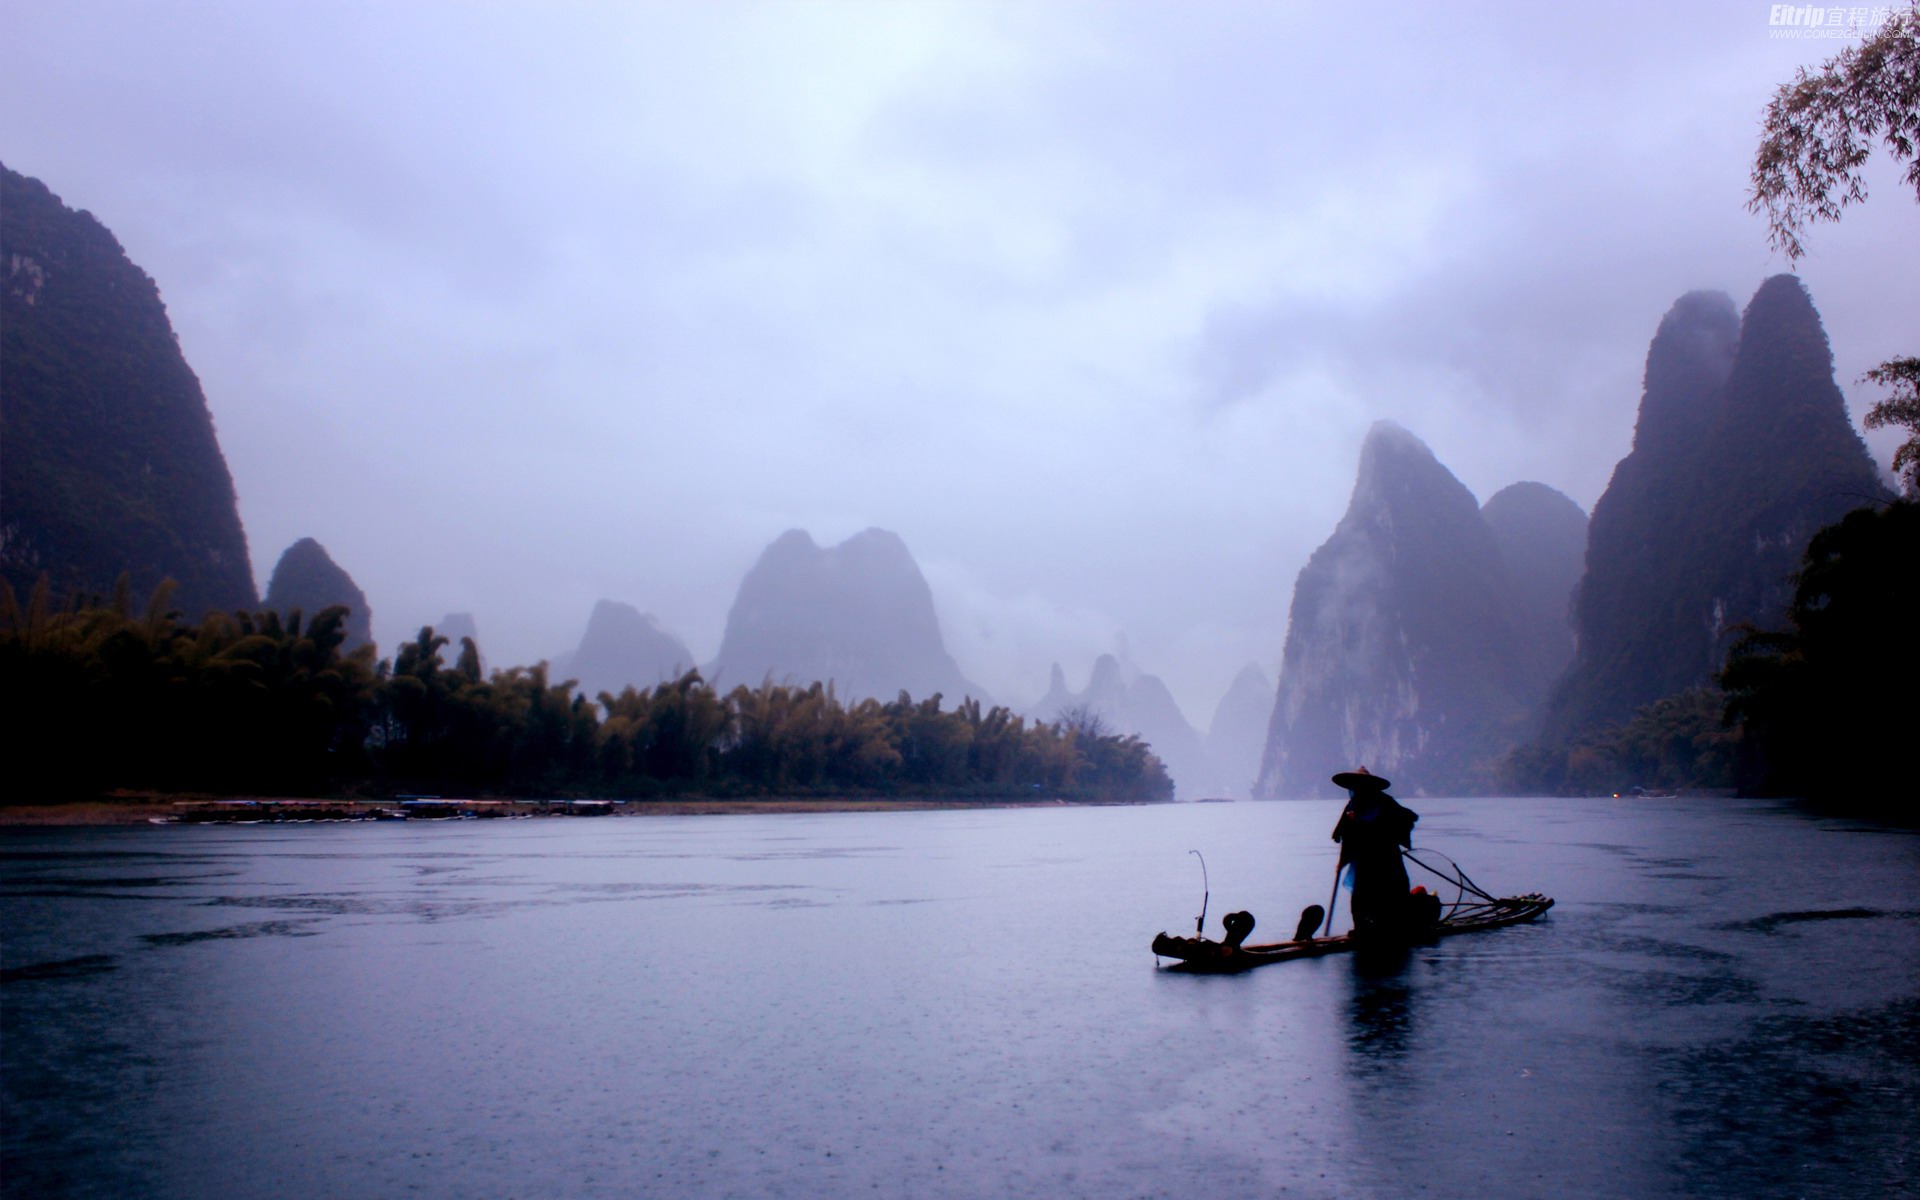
(1092, 305)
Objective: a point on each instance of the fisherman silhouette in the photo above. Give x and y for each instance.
(1371, 832)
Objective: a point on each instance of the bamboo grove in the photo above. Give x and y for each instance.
(104, 697)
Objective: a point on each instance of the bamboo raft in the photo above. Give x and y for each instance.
(1205, 956)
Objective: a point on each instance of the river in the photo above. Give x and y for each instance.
(1724, 1002)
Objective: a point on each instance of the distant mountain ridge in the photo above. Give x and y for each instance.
(1542, 535)
(1237, 735)
(111, 460)
(623, 647)
(859, 614)
(1127, 700)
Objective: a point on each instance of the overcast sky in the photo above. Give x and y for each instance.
(518, 306)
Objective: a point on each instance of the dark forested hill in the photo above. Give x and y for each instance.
(1742, 450)
(1636, 641)
(111, 464)
(1784, 461)
(308, 579)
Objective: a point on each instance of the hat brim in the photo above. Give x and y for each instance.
(1353, 781)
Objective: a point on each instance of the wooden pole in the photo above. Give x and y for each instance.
(1335, 898)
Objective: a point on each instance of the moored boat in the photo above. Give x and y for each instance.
(1199, 954)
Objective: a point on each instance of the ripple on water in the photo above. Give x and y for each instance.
(66, 968)
(1774, 921)
(230, 932)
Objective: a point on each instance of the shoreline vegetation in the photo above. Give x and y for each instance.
(172, 809)
(134, 710)
(117, 702)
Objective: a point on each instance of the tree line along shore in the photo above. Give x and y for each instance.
(144, 808)
(108, 698)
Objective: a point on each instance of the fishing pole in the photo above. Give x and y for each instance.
(1334, 899)
(1206, 892)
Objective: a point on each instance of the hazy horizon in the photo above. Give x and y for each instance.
(519, 308)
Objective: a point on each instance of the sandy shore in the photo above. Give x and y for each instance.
(142, 809)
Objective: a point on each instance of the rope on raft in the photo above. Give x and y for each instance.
(1458, 879)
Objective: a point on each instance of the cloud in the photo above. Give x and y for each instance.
(515, 307)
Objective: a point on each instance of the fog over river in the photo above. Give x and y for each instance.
(519, 307)
(1724, 1002)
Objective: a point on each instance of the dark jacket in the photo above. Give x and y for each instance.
(1371, 832)
(1374, 825)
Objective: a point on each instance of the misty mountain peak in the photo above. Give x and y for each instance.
(618, 615)
(859, 614)
(1238, 732)
(1399, 477)
(1784, 460)
(1528, 505)
(1783, 369)
(1107, 676)
(1133, 702)
(1390, 449)
(1402, 649)
(624, 647)
(307, 578)
(1687, 362)
(1780, 307)
(1251, 678)
(1743, 448)
(1542, 535)
(1386, 437)
(876, 543)
(795, 545)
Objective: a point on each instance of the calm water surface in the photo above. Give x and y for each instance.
(1726, 1002)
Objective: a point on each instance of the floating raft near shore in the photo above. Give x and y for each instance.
(1206, 956)
(404, 808)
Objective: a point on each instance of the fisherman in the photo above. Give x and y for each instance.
(1371, 832)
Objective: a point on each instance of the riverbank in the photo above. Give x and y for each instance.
(151, 808)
